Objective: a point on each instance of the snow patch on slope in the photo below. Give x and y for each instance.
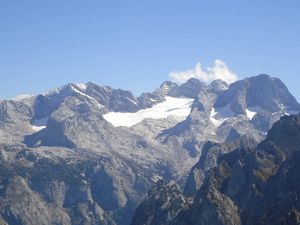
(214, 120)
(81, 93)
(178, 107)
(291, 112)
(250, 114)
(220, 115)
(132, 101)
(81, 86)
(39, 124)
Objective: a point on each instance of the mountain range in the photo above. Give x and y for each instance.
(89, 154)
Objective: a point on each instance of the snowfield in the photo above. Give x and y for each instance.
(178, 107)
(220, 115)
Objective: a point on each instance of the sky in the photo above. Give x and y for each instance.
(136, 45)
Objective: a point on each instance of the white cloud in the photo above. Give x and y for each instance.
(219, 70)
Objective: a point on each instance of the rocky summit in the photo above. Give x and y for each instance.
(89, 154)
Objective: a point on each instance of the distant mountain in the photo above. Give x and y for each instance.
(88, 154)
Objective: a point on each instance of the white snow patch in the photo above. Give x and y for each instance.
(250, 114)
(38, 128)
(83, 94)
(291, 112)
(257, 109)
(129, 99)
(101, 106)
(178, 107)
(282, 107)
(81, 86)
(39, 124)
(216, 122)
(287, 111)
(153, 100)
(51, 92)
(84, 181)
(220, 115)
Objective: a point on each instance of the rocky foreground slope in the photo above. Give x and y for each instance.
(64, 159)
(249, 185)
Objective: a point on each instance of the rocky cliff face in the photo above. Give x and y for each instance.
(162, 204)
(257, 185)
(63, 162)
(209, 159)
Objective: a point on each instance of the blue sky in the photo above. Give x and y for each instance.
(136, 44)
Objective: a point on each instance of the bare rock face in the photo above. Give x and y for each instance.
(47, 190)
(218, 86)
(209, 159)
(15, 116)
(26, 207)
(262, 90)
(216, 208)
(189, 89)
(162, 204)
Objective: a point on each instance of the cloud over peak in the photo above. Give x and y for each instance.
(219, 70)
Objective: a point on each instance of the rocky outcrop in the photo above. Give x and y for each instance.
(209, 159)
(162, 204)
(23, 206)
